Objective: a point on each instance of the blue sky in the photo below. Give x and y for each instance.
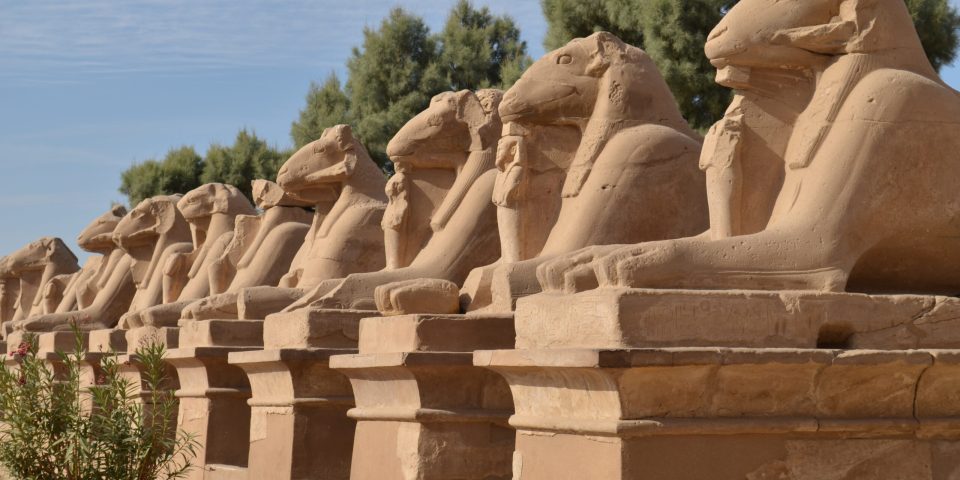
(89, 87)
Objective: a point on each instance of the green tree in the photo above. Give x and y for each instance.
(391, 78)
(673, 32)
(56, 426)
(401, 66)
(182, 169)
(479, 50)
(937, 23)
(327, 105)
(178, 172)
(248, 159)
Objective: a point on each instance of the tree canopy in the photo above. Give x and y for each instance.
(182, 169)
(475, 49)
(674, 32)
(401, 65)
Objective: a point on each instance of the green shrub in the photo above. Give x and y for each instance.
(54, 427)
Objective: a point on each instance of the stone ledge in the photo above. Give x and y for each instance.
(401, 359)
(729, 383)
(287, 355)
(313, 328)
(223, 333)
(436, 333)
(692, 356)
(642, 318)
(429, 415)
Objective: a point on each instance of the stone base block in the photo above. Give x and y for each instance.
(225, 472)
(169, 337)
(213, 406)
(299, 427)
(313, 328)
(133, 370)
(640, 318)
(221, 333)
(51, 342)
(423, 410)
(435, 333)
(13, 341)
(722, 413)
(107, 340)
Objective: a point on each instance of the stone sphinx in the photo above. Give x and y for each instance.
(9, 291)
(37, 266)
(344, 238)
(210, 210)
(152, 233)
(635, 153)
(862, 195)
(97, 238)
(261, 251)
(449, 230)
(103, 289)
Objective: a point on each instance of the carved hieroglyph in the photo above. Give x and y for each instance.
(456, 136)
(260, 253)
(345, 238)
(210, 210)
(632, 176)
(868, 198)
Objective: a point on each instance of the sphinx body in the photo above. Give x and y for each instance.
(84, 286)
(39, 267)
(210, 210)
(439, 206)
(260, 252)
(866, 201)
(344, 238)
(9, 291)
(102, 289)
(631, 176)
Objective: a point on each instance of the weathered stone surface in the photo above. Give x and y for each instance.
(637, 318)
(772, 413)
(423, 410)
(221, 333)
(298, 426)
(435, 333)
(306, 328)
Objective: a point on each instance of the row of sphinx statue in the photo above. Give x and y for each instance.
(835, 168)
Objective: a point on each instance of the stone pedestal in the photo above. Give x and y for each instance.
(213, 394)
(169, 337)
(423, 410)
(299, 427)
(639, 384)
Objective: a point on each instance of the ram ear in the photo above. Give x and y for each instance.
(344, 136)
(164, 210)
(603, 47)
(828, 39)
(118, 211)
(470, 112)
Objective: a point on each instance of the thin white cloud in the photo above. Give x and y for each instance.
(53, 40)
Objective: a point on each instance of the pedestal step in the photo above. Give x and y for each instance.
(639, 318)
(221, 333)
(690, 413)
(169, 337)
(313, 328)
(423, 409)
(299, 426)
